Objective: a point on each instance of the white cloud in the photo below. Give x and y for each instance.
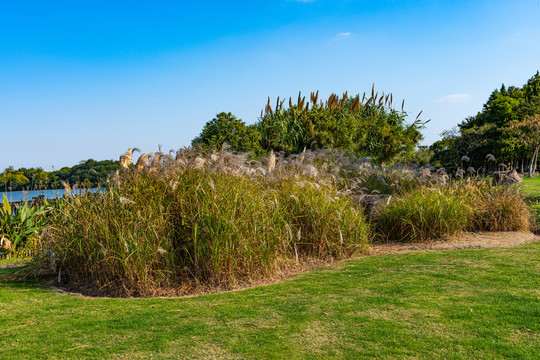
(454, 98)
(344, 34)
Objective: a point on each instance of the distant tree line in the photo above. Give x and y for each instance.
(505, 134)
(89, 173)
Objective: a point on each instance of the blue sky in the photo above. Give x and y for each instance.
(88, 79)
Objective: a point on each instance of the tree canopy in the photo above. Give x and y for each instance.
(89, 172)
(495, 130)
(226, 128)
(365, 126)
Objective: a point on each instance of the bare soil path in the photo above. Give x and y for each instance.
(464, 241)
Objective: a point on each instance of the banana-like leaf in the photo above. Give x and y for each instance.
(7, 206)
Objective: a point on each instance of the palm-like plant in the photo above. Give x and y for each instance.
(18, 226)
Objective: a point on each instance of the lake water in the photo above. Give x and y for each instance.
(29, 195)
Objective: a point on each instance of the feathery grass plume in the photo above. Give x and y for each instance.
(127, 158)
(142, 162)
(269, 108)
(271, 161)
(315, 98)
(125, 201)
(303, 155)
(155, 164)
(67, 187)
(490, 158)
(368, 101)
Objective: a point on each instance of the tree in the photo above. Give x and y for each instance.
(528, 132)
(488, 132)
(226, 128)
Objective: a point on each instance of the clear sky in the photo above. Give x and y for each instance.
(88, 79)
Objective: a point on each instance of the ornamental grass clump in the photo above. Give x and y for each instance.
(499, 208)
(472, 204)
(426, 213)
(323, 224)
(198, 222)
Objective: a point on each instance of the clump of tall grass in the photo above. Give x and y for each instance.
(430, 213)
(179, 222)
(425, 213)
(322, 223)
(499, 208)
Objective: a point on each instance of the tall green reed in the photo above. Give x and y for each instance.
(181, 228)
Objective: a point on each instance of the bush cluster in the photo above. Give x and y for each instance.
(366, 126)
(185, 227)
(207, 219)
(430, 213)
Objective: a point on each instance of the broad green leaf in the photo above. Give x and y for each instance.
(7, 206)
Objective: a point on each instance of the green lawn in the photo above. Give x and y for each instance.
(531, 187)
(464, 304)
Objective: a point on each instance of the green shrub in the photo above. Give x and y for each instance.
(226, 128)
(20, 228)
(364, 126)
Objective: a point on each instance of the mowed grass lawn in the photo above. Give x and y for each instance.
(460, 304)
(531, 187)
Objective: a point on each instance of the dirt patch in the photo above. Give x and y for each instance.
(464, 241)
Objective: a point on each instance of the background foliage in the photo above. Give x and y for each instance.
(490, 131)
(364, 126)
(88, 172)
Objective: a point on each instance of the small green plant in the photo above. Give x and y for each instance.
(20, 228)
